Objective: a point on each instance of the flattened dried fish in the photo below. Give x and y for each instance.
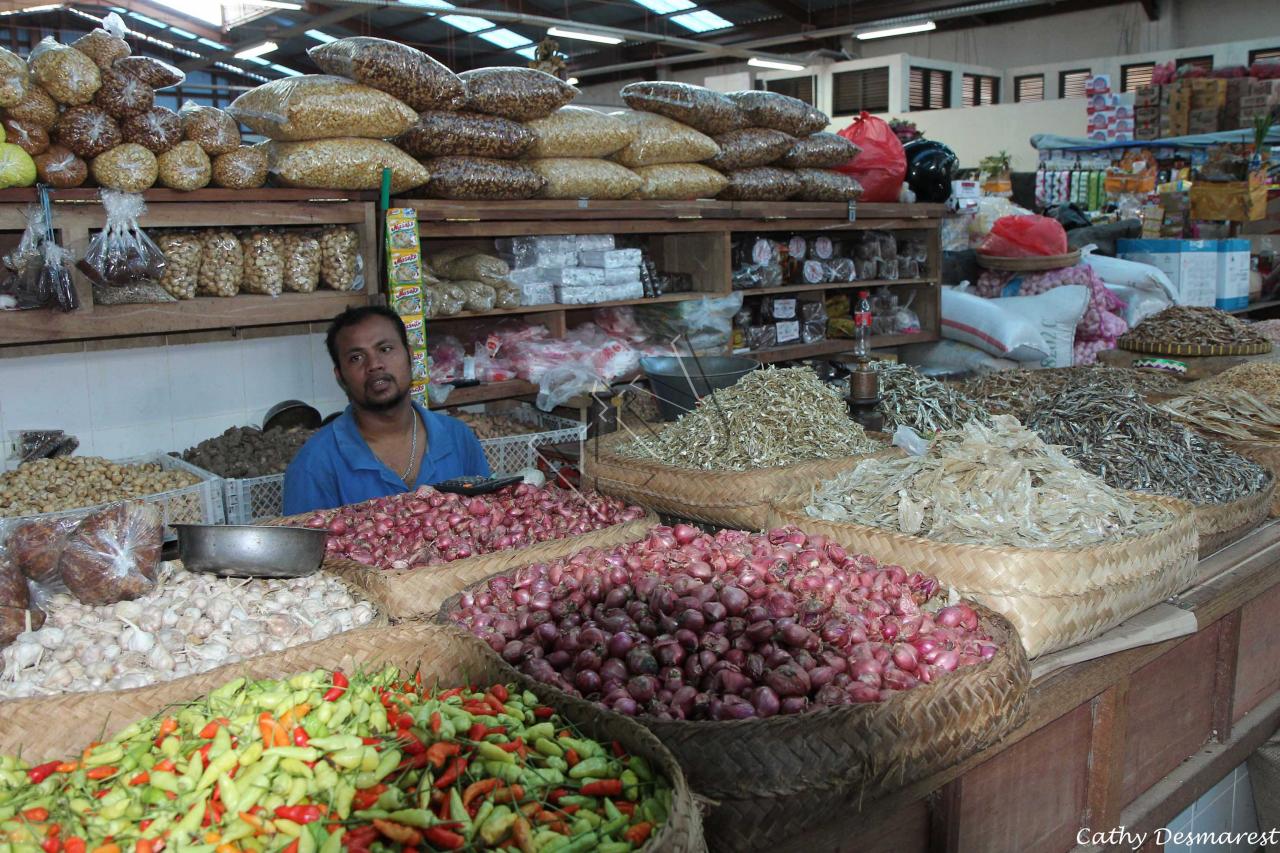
(996, 484)
(1222, 412)
(771, 417)
(909, 398)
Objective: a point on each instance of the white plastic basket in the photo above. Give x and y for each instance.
(513, 453)
(253, 499)
(199, 503)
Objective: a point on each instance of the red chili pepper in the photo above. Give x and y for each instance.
(500, 690)
(142, 825)
(371, 741)
(602, 788)
(98, 773)
(436, 722)
(166, 765)
(627, 808)
(204, 754)
(449, 776)
(366, 797)
(639, 833)
(301, 814)
(618, 750)
(41, 772)
(340, 685)
(510, 746)
(74, 845)
(51, 845)
(167, 727)
(36, 815)
(476, 731)
(410, 744)
(543, 712)
(102, 793)
(141, 779)
(300, 736)
(292, 848)
(210, 730)
(571, 757)
(360, 837)
(440, 837)
(498, 707)
(479, 709)
(555, 795)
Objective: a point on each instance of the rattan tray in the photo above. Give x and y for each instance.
(1034, 264)
(1202, 350)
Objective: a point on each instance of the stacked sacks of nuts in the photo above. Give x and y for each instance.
(330, 130)
(669, 149)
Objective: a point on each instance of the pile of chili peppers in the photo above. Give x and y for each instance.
(320, 763)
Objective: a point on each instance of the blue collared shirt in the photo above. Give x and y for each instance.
(336, 467)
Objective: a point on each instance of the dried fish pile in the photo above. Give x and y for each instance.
(769, 418)
(996, 484)
(1133, 445)
(909, 398)
(1187, 324)
(1226, 413)
(1019, 392)
(1259, 378)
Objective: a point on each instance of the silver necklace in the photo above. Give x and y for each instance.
(413, 448)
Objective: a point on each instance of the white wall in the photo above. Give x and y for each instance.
(123, 402)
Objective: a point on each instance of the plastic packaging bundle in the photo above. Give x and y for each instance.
(157, 130)
(318, 106)
(578, 132)
(746, 149)
(570, 178)
(522, 94)
(762, 184)
(28, 282)
(129, 168)
(184, 167)
(446, 134)
(820, 151)
(402, 71)
(212, 129)
(827, 185)
(242, 169)
(121, 253)
(29, 137)
(658, 140)
(302, 258)
(61, 169)
(341, 267)
(480, 178)
(113, 554)
(473, 266)
(221, 264)
(182, 263)
(263, 263)
(152, 72)
(123, 96)
(343, 164)
(779, 112)
(679, 182)
(699, 107)
(87, 130)
(70, 77)
(15, 78)
(17, 169)
(55, 276)
(106, 44)
(35, 108)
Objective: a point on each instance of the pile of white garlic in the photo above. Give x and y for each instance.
(189, 624)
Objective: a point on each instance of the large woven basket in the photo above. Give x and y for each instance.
(769, 779)
(737, 499)
(1222, 524)
(1055, 598)
(43, 733)
(406, 593)
(1266, 454)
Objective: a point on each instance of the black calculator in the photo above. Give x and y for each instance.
(476, 485)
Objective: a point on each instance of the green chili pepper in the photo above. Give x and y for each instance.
(597, 766)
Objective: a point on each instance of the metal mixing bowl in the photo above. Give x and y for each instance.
(248, 551)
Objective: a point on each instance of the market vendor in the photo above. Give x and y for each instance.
(384, 443)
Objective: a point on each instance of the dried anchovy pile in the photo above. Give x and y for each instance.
(769, 418)
(1187, 324)
(909, 398)
(1260, 378)
(996, 484)
(1226, 413)
(1020, 392)
(1133, 445)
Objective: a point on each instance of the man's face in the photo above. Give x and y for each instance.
(373, 365)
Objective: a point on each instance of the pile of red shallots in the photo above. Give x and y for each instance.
(427, 527)
(688, 626)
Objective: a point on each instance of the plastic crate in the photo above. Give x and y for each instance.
(253, 499)
(511, 454)
(199, 503)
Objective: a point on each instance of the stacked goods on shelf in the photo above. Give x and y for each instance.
(860, 256)
(375, 757)
(251, 463)
(462, 279)
(1204, 105)
(669, 156)
(778, 703)
(574, 270)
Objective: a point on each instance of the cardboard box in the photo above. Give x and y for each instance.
(1233, 201)
(1147, 96)
(1146, 132)
(1148, 114)
(1204, 121)
(1191, 265)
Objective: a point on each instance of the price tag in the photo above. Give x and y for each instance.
(788, 331)
(582, 203)
(784, 309)
(853, 211)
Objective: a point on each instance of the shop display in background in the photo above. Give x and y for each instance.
(889, 316)
(247, 452)
(405, 280)
(762, 261)
(779, 321)
(38, 271)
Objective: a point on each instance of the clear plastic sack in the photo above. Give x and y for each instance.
(182, 263)
(826, 185)
(243, 169)
(214, 130)
(25, 264)
(445, 134)
(221, 264)
(779, 112)
(157, 130)
(87, 131)
(34, 546)
(765, 183)
(302, 259)
(70, 77)
(750, 147)
(55, 276)
(31, 138)
(343, 164)
(36, 107)
(121, 252)
(559, 385)
(263, 263)
(480, 178)
(473, 265)
(152, 72)
(478, 295)
(578, 132)
(106, 44)
(15, 78)
(820, 151)
(398, 69)
(123, 95)
(699, 107)
(184, 167)
(570, 178)
(658, 141)
(134, 293)
(128, 168)
(113, 554)
(517, 93)
(341, 267)
(321, 107)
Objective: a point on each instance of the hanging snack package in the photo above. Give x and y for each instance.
(343, 164)
(699, 107)
(113, 554)
(121, 253)
(70, 77)
(212, 129)
(579, 132)
(302, 257)
(779, 112)
(318, 106)
(570, 178)
(657, 141)
(748, 148)
(522, 94)
(15, 78)
(61, 169)
(55, 276)
(482, 179)
(679, 182)
(106, 44)
(182, 263)
(22, 278)
(398, 69)
(405, 276)
(445, 134)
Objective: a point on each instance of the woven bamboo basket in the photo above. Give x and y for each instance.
(769, 779)
(1222, 524)
(1055, 598)
(406, 593)
(735, 499)
(1266, 454)
(43, 731)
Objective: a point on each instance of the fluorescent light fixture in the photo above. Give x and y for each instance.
(210, 43)
(889, 32)
(701, 21)
(666, 7)
(530, 53)
(159, 25)
(468, 23)
(321, 37)
(182, 33)
(572, 81)
(757, 62)
(275, 4)
(285, 70)
(257, 50)
(257, 60)
(581, 36)
(505, 38)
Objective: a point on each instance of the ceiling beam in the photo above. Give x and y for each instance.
(279, 34)
(1152, 10)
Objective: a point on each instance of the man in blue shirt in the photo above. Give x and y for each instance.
(384, 443)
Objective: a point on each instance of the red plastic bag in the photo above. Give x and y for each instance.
(882, 165)
(1025, 237)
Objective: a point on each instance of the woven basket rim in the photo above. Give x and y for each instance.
(1175, 348)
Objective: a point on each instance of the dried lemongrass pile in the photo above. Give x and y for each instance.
(909, 398)
(770, 418)
(1226, 413)
(1020, 392)
(996, 484)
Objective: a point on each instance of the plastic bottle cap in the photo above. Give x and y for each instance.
(864, 294)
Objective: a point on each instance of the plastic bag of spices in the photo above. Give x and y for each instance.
(522, 94)
(446, 134)
(106, 44)
(820, 151)
(480, 178)
(121, 253)
(113, 554)
(780, 112)
(748, 148)
(397, 69)
(699, 107)
(761, 184)
(70, 77)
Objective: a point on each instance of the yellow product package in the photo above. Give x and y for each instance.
(404, 253)
(416, 329)
(418, 363)
(406, 300)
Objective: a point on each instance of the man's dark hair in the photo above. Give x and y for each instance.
(354, 316)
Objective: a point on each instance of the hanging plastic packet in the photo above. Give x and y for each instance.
(26, 280)
(121, 253)
(55, 276)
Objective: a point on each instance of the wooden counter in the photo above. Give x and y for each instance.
(1129, 739)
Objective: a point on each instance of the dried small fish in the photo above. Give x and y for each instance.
(1187, 324)
(1228, 413)
(1133, 445)
(1260, 378)
(909, 398)
(1021, 392)
(996, 484)
(771, 417)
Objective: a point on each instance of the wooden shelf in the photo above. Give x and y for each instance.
(84, 195)
(833, 346)
(1256, 306)
(486, 392)
(557, 306)
(840, 285)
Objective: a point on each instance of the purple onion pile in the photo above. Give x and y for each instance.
(687, 626)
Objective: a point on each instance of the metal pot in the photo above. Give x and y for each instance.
(249, 551)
